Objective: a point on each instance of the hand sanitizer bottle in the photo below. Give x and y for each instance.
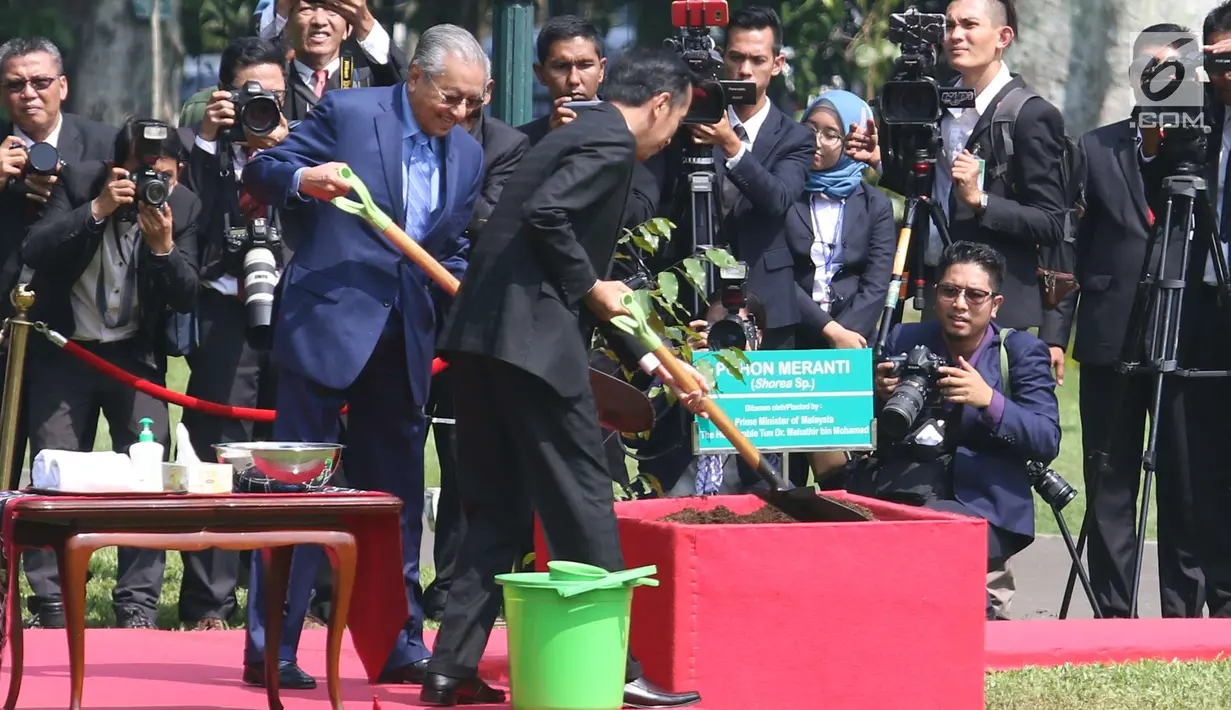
(146, 456)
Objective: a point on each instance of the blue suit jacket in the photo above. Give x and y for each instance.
(344, 278)
(989, 464)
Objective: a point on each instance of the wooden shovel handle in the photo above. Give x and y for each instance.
(422, 259)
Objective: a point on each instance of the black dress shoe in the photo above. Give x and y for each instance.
(50, 615)
(443, 691)
(641, 693)
(290, 676)
(409, 674)
(131, 617)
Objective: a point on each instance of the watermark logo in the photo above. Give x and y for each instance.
(1167, 81)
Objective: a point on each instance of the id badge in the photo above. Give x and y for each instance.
(982, 172)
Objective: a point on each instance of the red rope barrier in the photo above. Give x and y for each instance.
(162, 393)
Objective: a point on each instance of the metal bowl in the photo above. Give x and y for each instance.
(309, 464)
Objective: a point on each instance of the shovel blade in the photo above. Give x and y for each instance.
(804, 505)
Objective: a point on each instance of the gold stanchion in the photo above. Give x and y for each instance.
(14, 372)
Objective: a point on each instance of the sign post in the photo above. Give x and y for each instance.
(794, 400)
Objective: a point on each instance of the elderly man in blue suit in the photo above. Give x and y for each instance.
(969, 454)
(356, 320)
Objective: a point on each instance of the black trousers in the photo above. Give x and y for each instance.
(1112, 495)
(516, 459)
(449, 519)
(67, 397)
(225, 369)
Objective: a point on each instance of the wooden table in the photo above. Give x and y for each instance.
(75, 527)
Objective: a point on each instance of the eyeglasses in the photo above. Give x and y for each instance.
(40, 83)
(827, 136)
(453, 100)
(974, 296)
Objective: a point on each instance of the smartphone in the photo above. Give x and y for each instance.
(574, 105)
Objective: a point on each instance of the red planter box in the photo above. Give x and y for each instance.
(884, 614)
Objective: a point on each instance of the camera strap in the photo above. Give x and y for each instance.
(1005, 382)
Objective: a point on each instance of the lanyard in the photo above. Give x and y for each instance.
(832, 251)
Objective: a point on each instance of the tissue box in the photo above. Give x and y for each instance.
(207, 478)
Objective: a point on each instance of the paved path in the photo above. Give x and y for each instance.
(1041, 570)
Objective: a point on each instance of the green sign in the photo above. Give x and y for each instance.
(793, 400)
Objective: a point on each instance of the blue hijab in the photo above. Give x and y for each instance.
(840, 181)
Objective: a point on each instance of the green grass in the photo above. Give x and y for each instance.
(1151, 685)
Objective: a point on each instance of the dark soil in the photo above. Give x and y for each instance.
(722, 515)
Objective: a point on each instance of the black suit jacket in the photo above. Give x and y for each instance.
(62, 244)
(1026, 212)
(300, 99)
(860, 286)
(80, 139)
(1112, 237)
(503, 148)
(552, 235)
(770, 179)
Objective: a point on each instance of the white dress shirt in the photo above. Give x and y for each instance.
(375, 46)
(826, 251)
(956, 127)
(752, 127)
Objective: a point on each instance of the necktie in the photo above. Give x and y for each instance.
(709, 475)
(321, 78)
(730, 193)
(419, 187)
(1224, 217)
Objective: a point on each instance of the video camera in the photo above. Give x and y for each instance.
(256, 113)
(733, 330)
(1175, 83)
(917, 371)
(912, 96)
(711, 94)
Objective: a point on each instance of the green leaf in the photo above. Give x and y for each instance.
(669, 286)
(694, 271)
(720, 257)
(644, 244)
(706, 368)
(727, 357)
(644, 299)
(660, 226)
(655, 391)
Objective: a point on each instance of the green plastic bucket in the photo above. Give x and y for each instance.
(568, 635)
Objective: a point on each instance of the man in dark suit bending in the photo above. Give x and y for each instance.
(518, 340)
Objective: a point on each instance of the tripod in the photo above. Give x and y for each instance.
(701, 208)
(1188, 207)
(919, 185)
(1057, 493)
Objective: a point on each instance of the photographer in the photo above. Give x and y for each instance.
(1112, 239)
(321, 33)
(1017, 207)
(114, 254)
(762, 159)
(967, 443)
(228, 365)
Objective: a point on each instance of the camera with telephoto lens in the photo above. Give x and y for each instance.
(256, 113)
(733, 330)
(917, 371)
(259, 243)
(1051, 486)
(912, 97)
(711, 95)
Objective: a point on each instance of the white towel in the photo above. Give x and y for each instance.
(83, 472)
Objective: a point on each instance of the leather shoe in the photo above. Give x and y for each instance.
(50, 615)
(443, 691)
(409, 674)
(641, 693)
(290, 676)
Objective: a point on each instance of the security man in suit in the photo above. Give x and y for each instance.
(503, 148)
(520, 332)
(32, 74)
(762, 159)
(1112, 237)
(109, 267)
(321, 34)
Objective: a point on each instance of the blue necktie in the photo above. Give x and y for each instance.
(1224, 218)
(419, 187)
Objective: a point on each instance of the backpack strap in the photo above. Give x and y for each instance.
(1005, 381)
(1004, 119)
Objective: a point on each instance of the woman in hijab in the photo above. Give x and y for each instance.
(841, 234)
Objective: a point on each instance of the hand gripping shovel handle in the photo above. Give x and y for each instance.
(638, 326)
(368, 211)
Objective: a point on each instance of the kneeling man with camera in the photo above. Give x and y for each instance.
(954, 433)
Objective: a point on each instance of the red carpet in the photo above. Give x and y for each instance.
(165, 670)
(1052, 642)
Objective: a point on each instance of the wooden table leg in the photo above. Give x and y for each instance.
(277, 563)
(344, 556)
(13, 607)
(74, 562)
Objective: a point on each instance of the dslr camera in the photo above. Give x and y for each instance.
(917, 371)
(912, 97)
(41, 159)
(257, 245)
(711, 95)
(152, 186)
(1050, 486)
(733, 330)
(256, 113)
